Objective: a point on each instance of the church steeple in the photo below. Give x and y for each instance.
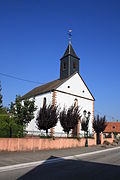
(69, 62)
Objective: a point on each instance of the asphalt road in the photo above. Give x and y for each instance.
(100, 166)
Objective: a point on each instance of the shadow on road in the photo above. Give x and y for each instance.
(73, 170)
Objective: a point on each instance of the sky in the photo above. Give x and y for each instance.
(34, 36)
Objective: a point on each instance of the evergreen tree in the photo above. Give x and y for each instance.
(7, 123)
(69, 118)
(0, 96)
(47, 117)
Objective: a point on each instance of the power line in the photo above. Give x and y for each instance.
(21, 79)
(109, 116)
(35, 82)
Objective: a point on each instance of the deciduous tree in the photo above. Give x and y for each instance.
(22, 111)
(99, 126)
(69, 118)
(47, 117)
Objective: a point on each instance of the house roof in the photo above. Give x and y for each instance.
(112, 127)
(70, 51)
(50, 86)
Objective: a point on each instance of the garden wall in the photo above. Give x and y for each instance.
(33, 144)
(110, 140)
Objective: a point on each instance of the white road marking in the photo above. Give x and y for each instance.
(37, 163)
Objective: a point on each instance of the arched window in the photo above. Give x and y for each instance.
(44, 101)
(75, 102)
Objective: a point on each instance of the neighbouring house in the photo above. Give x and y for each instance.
(65, 91)
(112, 127)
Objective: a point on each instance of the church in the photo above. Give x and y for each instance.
(65, 91)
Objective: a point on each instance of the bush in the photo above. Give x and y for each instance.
(106, 142)
(9, 128)
(116, 141)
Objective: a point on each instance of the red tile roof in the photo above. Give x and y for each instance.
(112, 127)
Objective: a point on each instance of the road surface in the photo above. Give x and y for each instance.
(97, 166)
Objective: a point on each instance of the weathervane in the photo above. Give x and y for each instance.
(70, 34)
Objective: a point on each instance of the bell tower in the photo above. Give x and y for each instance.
(69, 63)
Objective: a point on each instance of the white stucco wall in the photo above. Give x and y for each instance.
(66, 100)
(77, 87)
(65, 97)
(39, 103)
(81, 93)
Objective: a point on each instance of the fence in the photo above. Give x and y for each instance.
(20, 133)
(12, 133)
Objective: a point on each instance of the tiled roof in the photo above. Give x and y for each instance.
(112, 127)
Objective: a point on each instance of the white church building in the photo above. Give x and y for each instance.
(69, 89)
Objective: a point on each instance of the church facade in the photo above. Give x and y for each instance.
(69, 89)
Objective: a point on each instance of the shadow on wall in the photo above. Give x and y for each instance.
(73, 170)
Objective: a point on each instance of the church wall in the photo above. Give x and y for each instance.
(66, 100)
(39, 103)
(75, 85)
(64, 96)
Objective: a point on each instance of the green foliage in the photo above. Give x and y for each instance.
(22, 112)
(8, 127)
(14, 120)
(0, 96)
(69, 118)
(3, 110)
(47, 117)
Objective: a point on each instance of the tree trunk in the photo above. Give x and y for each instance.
(46, 132)
(98, 138)
(10, 131)
(75, 131)
(67, 134)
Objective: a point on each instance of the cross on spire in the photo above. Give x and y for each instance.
(70, 34)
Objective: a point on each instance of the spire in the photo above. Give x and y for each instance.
(70, 51)
(69, 63)
(70, 34)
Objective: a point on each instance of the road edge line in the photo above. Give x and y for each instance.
(36, 163)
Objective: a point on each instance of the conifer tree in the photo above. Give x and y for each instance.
(0, 96)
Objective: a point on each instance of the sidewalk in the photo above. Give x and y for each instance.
(12, 158)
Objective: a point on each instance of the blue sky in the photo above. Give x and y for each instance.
(34, 36)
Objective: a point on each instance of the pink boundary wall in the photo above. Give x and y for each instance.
(32, 144)
(106, 139)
